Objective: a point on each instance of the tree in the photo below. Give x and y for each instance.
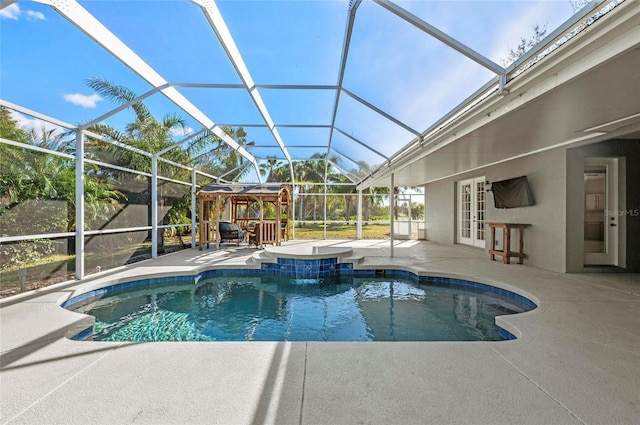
(28, 175)
(308, 172)
(206, 152)
(148, 134)
(539, 32)
(275, 170)
(37, 191)
(9, 127)
(145, 132)
(347, 192)
(373, 196)
(222, 159)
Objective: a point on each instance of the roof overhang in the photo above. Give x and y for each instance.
(584, 92)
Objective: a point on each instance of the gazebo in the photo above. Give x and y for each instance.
(233, 201)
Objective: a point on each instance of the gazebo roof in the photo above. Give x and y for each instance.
(244, 191)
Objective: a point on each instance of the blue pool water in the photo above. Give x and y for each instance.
(277, 308)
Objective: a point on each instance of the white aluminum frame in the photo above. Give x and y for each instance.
(93, 28)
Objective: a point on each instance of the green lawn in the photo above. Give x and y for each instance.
(341, 231)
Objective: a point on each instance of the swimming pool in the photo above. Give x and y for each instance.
(227, 305)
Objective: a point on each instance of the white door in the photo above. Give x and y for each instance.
(601, 218)
(471, 212)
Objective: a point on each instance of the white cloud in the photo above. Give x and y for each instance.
(181, 132)
(11, 12)
(32, 15)
(29, 124)
(521, 26)
(86, 101)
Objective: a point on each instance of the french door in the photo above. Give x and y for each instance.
(471, 212)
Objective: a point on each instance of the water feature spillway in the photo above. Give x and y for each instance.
(307, 265)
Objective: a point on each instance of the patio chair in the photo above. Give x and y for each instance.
(268, 231)
(231, 232)
(254, 236)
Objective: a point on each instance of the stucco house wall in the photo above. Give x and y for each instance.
(554, 239)
(544, 238)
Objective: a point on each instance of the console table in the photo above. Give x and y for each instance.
(506, 252)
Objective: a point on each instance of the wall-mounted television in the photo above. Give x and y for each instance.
(512, 193)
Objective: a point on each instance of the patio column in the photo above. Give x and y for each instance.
(79, 205)
(154, 207)
(410, 229)
(325, 206)
(424, 219)
(292, 213)
(392, 204)
(193, 208)
(359, 218)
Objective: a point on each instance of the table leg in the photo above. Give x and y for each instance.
(493, 243)
(506, 259)
(521, 257)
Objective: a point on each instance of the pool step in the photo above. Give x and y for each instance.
(354, 259)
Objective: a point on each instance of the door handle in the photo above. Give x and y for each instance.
(613, 224)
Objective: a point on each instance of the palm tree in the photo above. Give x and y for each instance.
(145, 133)
(221, 159)
(346, 191)
(373, 195)
(34, 177)
(275, 170)
(309, 171)
(206, 152)
(9, 128)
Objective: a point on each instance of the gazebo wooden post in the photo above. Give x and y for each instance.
(205, 224)
(234, 209)
(278, 219)
(207, 213)
(288, 212)
(261, 219)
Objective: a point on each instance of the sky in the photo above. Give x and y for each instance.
(45, 62)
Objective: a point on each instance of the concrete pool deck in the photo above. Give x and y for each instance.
(577, 360)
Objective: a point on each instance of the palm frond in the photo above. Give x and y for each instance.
(118, 94)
